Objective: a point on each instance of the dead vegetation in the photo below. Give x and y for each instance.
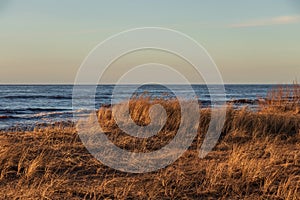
(257, 157)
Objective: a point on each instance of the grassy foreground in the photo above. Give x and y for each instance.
(257, 157)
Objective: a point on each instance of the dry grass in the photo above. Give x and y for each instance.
(284, 98)
(257, 157)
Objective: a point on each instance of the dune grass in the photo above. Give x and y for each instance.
(283, 98)
(257, 157)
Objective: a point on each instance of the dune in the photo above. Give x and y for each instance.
(256, 157)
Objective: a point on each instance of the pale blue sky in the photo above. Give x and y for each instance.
(251, 41)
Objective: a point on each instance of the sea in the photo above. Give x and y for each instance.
(28, 105)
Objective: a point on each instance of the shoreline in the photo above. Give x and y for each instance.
(41, 106)
(253, 104)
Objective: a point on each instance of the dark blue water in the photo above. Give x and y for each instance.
(30, 104)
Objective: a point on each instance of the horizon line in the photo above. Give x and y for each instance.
(232, 83)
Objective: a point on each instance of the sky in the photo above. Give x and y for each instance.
(250, 41)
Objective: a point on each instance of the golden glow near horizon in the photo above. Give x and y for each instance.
(251, 42)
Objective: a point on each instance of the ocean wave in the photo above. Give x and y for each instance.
(26, 110)
(47, 115)
(67, 97)
(36, 97)
(51, 114)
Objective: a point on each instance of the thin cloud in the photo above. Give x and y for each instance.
(269, 22)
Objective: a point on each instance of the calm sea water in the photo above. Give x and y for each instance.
(25, 105)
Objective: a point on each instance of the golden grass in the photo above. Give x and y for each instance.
(257, 157)
(283, 98)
